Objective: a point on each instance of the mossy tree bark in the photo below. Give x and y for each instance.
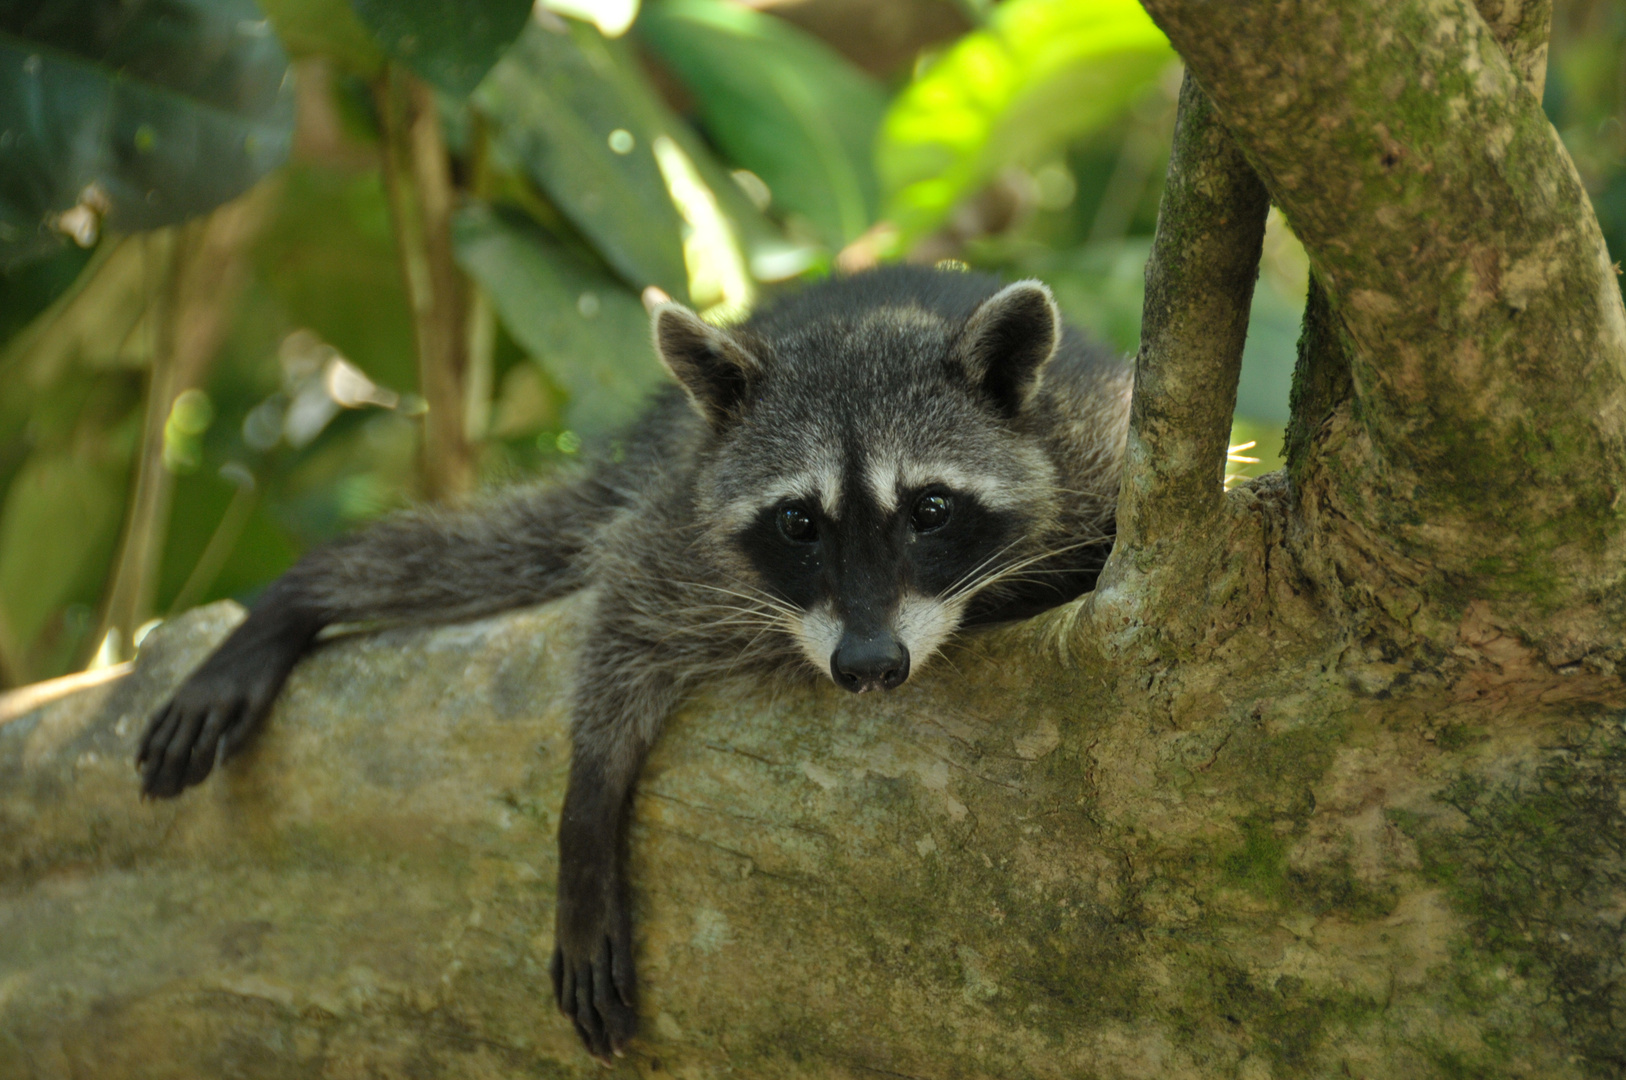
(1326, 779)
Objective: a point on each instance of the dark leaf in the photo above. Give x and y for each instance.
(452, 43)
(139, 113)
(587, 329)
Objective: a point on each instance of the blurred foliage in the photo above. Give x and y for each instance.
(138, 113)
(186, 409)
(1586, 100)
(1038, 75)
(780, 104)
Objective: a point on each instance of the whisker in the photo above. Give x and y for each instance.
(954, 589)
(1011, 569)
(756, 594)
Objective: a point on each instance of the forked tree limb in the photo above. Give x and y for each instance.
(1485, 441)
(1199, 286)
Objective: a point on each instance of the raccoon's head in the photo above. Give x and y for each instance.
(870, 469)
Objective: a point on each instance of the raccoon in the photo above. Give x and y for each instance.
(831, 490)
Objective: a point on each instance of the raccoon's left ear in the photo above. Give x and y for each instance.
(1007, 342)
(713, 367)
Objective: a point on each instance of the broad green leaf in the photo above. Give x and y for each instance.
(138, 113)
(780, 103)
(648, 118)
(587, 329)
(1042, 73)
(452, 43)
(324, 28)
(561, 109)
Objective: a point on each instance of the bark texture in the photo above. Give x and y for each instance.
(1325, 780)
(984, 874)
(1480, 452)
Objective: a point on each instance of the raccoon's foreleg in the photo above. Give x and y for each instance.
(425, 566)
(624, 694)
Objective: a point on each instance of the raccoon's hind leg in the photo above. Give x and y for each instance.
(425, 566)
(624, 692)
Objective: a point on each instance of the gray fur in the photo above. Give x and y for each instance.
(847, 400)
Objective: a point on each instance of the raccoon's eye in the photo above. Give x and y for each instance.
(797, 524)
(930, 512)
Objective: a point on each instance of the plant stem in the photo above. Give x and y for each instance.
(1199, 287)
(418, 176)
(203, 268)
(135, 569)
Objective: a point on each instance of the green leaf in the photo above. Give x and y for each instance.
(780, 103)
(452, 43)
(557, 104)
(147, 112)
(28, 290)
(329, 258)
(1042, 73)
(324, 28)
(764, 242)
(588, 330)
(55, 497)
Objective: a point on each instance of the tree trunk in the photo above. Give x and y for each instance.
(1325, 780)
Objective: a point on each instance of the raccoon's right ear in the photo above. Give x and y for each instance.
(1007, 342)
(714, 369)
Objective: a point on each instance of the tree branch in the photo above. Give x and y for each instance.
(1199, 286)
(419, 180)
(1523, 27)
(1486, 437)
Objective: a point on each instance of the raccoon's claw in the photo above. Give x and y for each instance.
(209, 719)
(598, 990)
(185, 737)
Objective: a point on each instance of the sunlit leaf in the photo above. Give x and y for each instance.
(612, 17)
(718, 281)
(648, 119)
(1042, 72)
(452, 43)
(136, 113)
(588, 329)
(780, 103)
(559, 112)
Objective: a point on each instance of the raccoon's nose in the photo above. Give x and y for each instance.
(870, 663)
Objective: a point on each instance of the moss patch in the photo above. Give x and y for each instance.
(1538, 867)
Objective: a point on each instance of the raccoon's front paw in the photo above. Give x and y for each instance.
(593, 978)
(212, 715)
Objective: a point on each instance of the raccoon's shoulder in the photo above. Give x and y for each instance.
(1081, 413)
(1083, 366)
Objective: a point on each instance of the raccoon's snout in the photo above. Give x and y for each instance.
(880, 662)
